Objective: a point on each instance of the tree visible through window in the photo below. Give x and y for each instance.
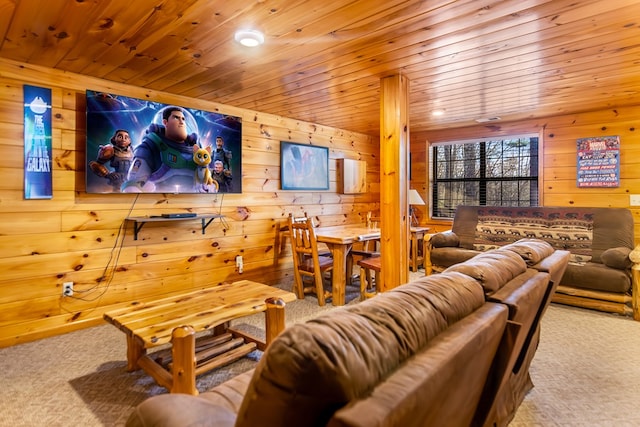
(488, 173)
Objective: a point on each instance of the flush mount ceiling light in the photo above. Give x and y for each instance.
(249, 38)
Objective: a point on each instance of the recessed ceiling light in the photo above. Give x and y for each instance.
(437, 112)
(249, 38)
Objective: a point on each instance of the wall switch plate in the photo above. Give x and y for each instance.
(634, 199)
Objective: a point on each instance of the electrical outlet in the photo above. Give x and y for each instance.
(634, 199)
(239, 263)
(67, 289)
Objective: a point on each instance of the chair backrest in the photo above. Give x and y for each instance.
(299, 219)
(306, 260)
(304, 244)
(372, 221)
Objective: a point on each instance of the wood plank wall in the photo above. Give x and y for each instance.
(78, 236)
(559, 158)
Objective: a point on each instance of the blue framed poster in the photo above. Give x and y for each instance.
(303, 166)
(37, 143)
(599, 162)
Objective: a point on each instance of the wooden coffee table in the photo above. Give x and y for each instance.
(176, 320)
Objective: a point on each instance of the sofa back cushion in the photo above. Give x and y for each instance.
(492, 269)
(532, 251)
(313, 369)
(585, 232)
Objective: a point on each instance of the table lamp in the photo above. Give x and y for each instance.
(414, 199)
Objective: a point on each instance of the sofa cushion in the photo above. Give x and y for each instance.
(617, 258)
(532, 251)
(568, 228)
(584, 231)
(596, 276)
(311, 370)
(492, 269)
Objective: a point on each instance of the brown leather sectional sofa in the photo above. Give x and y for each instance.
(600, 240)
(449, 349)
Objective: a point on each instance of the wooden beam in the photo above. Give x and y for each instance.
(394, 180)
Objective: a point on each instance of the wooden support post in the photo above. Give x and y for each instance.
(183, 340)
(394, 181)
(273, 319)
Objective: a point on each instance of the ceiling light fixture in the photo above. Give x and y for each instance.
(437, 113)
(249, 38)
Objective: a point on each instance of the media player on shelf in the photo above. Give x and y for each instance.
(179, 215)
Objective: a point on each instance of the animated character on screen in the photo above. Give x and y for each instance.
(118, 154)
(222, 154)
(203, 179)
(163, 161)
(222, 177)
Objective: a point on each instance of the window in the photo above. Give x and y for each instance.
(487, 173)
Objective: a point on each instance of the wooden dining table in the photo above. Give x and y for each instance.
(340, 239)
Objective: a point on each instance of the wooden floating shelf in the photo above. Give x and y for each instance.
(140, 221)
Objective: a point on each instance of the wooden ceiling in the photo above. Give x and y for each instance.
(322, 60)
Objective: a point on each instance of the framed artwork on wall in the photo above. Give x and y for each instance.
(303, 166)
(38, 183)
(598, 162)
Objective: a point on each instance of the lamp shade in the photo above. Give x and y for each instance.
(414, 198)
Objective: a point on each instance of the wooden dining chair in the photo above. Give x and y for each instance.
(369, 247)
(370, 285)
(308, 265)
(365, 249)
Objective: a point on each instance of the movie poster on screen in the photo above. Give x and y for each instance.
(37, 143)
(144, 146)
(599, 161)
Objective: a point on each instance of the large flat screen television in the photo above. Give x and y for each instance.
(142, 146)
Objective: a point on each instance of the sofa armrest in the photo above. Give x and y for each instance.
(617, 258)
(444, 239)
(555, 264)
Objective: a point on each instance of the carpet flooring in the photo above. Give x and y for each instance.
(585, 373)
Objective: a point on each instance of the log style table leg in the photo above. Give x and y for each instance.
(184, 360)
(339, 282)
(135, 350)
(273, 319)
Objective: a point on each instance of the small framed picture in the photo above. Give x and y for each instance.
(303, 166)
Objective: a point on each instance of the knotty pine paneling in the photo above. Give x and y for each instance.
(559, 158)
(82, 237)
